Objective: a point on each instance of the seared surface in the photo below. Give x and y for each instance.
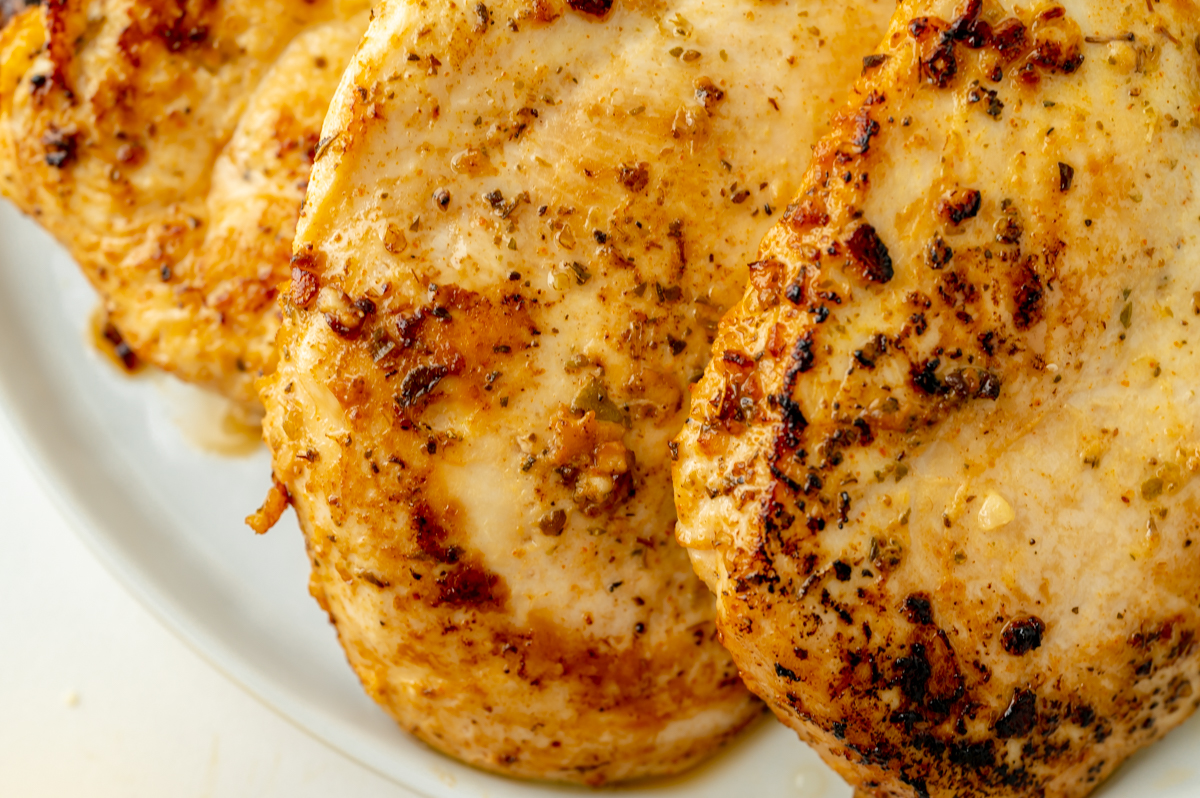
(523, 223)
(940, 473)
(167, 145)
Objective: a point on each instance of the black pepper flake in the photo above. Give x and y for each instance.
(60, 147)
(121, 349)
(441, 198)
(1066, 174)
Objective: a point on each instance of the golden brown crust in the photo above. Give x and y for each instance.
(507, 270)
(167, 145)
(939, 473)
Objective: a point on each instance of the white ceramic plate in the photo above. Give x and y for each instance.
(166, 518)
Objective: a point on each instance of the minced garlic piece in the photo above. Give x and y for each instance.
(995, 512)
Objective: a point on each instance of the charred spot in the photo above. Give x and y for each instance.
(970, 383)
(707, 93)
(987, 342)
(912, 673)
(831, 604)
(938, 253)
(467, 586)
(1022, 635)
(870, 254)
(918, 610)
(593, 8)
(792, 423)
(1008, 229)
(865, 128)
(61, 147)
(305, 283)
(738, 359)
(972, 755)
(1019, 717)
(1009, 37)
(419, 382)
(635, 178)
(1056, 56)
(973, 32)
(431, 536)
(802, 360)
(921, 27)
(775, 518)
(865, 436)
(941, 65)
(919, 323)
(959, 205)
(786, 673)
(925, 379)
(483, 18)
(795, 290)
(809, 212)
(875, 348)
(874, 60)
(1083, 715)
(841, 570)
(121, 349)
(1027, 297)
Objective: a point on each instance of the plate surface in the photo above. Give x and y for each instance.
(165, 517)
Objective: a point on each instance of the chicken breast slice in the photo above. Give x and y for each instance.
(167, 146)
(941, 471)
(524, 221)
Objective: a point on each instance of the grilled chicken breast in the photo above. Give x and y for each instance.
(940, 472)
(524, 221)
(167, 145)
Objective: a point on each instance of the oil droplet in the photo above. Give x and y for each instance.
(208, 421)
